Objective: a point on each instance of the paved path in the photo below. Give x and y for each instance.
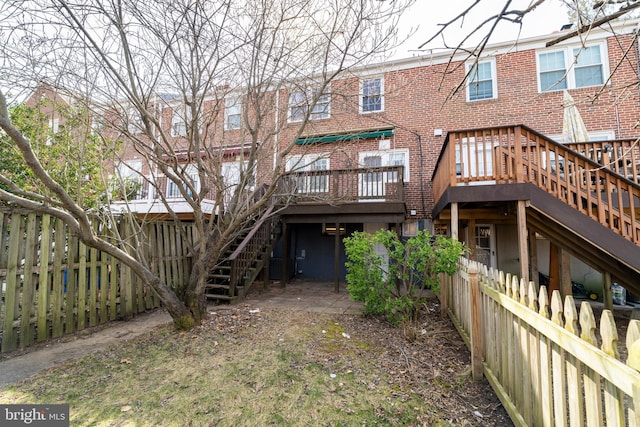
(308, 296)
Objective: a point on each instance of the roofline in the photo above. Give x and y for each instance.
(433, 57)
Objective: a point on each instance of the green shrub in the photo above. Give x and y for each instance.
(395, 285)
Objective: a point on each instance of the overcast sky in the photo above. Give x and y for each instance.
(425, 15)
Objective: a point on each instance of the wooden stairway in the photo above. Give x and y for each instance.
(245, 259)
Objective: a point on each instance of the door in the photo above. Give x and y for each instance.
(485, 245)
(370, 183)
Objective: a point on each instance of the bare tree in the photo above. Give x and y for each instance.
(145, 64)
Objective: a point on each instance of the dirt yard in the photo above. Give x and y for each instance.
(275, 366)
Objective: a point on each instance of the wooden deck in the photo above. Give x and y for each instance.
(584, 197)
(600, 179)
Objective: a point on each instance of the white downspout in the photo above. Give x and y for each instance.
(277, 131)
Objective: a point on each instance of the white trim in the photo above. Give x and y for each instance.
(231, 103)
(385, 158)
(308, 94)
(570, 65)
(361, 94)
(596, 135)
(494, 79)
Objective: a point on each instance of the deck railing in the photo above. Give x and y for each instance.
(548, 364)
(600, 179)
(345, 185)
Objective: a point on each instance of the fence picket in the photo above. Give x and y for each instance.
(104, 287)
(535, 356)
(44, 279)
(559, 365)
(574, 374)
(590, 378)
(27, 327)
(613, 397)
(11, 304)
(58, 287)
(82, 286)
(633, 360)
(546, 382)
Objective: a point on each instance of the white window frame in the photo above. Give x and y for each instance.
(471, 81)
(131, 170)
(179, 118)
(571, 65)
(361, 98)
(173, 191)
(134, 122)
(299, 100)
(386, 159)
(232, 112)
(598, 135)
(310, 162)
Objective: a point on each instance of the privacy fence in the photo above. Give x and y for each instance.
(53, 284)
(549, 365)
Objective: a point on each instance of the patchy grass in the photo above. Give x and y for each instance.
(278, 367)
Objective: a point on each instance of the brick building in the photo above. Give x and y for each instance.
(368, 157)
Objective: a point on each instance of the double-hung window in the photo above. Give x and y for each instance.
(133, 121)
(376, 183)
(190, 173)
(232, 112)
(572, 67)
(312, 178)
(371, 95)
(392, 157)
(129, 179)
(481, 81)
(179, 119)
(300, 101)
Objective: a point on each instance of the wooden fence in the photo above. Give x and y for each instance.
(543, 359)
(53, 285)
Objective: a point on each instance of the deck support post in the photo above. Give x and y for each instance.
(565, 272)
(533, 257)
(522, 240)
(554, 270)
(454, 220)
(284, 265)
(336, 259)
(607, 295)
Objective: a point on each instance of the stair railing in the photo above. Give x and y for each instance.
(250, 248)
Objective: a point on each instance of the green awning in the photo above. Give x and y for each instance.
(344, 137)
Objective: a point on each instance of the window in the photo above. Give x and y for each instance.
(481, 83)
(54, 128)
(371, 98)
(54, 125)
(134, 122)
(232, 174)
(190, 173)
(232, 113)
(313, 180)
(299, 105)
(572, 67)
(380, 184)
(179, 119)
(130, 182)
(97, 125)
(393, 157)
